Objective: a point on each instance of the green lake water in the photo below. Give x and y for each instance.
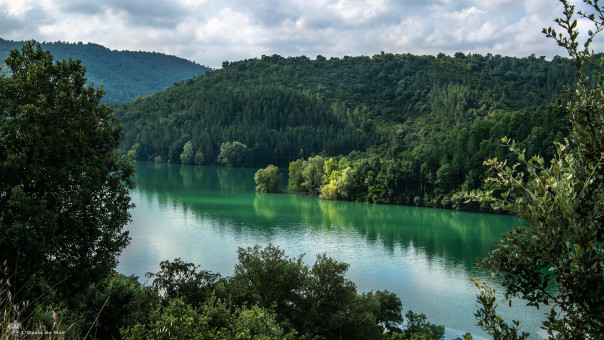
(425, 256)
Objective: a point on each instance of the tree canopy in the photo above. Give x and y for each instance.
(63, 187)
(268, 179)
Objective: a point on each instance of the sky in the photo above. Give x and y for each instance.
(212, 31)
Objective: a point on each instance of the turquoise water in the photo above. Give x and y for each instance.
(425, 256)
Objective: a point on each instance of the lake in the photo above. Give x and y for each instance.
(202, 214)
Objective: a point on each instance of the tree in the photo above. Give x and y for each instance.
(313, 174)
(318, 301)
(187, 155)
(419, 328)
(199, 158)
(268, 179)
(233, 154)
(331, 296)
(561, 244)
(63, 188)
(268, 293)
(176, 148)
(329, 190)
(268, 278)
(114, 303)
(294, 183)
(255, 323)
(177, 320)
(214, 321)
(178, 279)
(389, 315)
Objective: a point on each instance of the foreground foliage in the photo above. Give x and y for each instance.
(557, 257)
(272, 296)
(63, 188)
(269, 296)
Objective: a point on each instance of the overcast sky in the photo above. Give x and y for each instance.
(212, 31)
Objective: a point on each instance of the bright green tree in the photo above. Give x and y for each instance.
(329, 190)
(557, 257)
(268, 179)
(187, 155)
(313, 174)
(295, 180)
(63, 188)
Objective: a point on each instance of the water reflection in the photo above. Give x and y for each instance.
(202, 214)
(222, 193)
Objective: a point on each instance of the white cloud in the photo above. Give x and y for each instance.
(497, 5)
(465, 13)
(210, 32)
(358, 11)
(16, 9)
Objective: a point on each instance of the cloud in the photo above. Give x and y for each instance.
(81, 6)
(270, 13)
(210, 32)
(161, 13)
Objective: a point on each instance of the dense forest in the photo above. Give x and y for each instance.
(124, 75)
(410, 129)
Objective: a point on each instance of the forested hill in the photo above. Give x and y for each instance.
(423, 125)
(125, 75)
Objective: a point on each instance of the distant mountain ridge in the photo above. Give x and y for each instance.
(125, 75)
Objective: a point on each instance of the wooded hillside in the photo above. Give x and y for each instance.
(124, 75)
(419, 127)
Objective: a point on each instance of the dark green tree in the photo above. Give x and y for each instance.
(389, 315)
(268, 295)
(126, 75)
(233, 154)
(178, 279)
(270, 279)
(63, 188)
(331, 296)
(109, 305)
(418, 328)
(199, 158)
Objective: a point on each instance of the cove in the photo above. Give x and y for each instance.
(202, 214)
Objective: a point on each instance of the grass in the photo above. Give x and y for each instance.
(13, 324)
